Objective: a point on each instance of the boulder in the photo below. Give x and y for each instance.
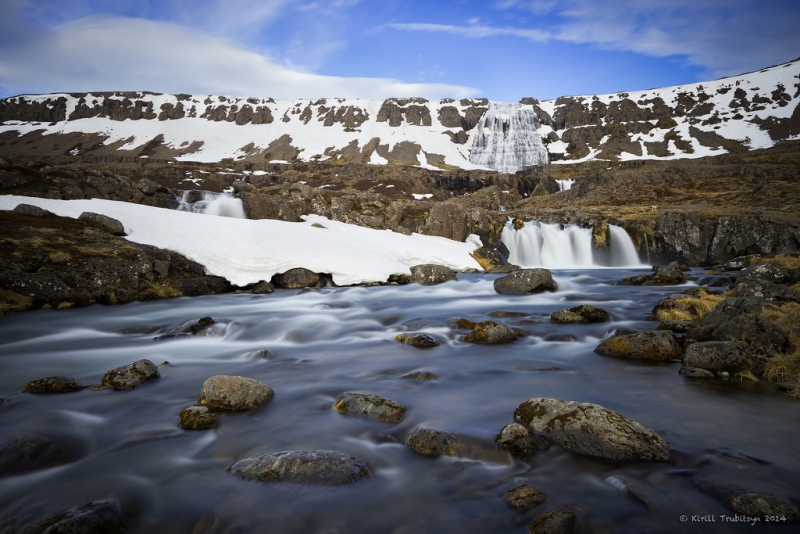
(53, 384)
(567, 317)
(764, 271)
(759, 335)
(751, 503)
(26, 453)
(720, 356)
(517, 439)
(679, 327)
(234, 393)
(322, 468)
(430, 274)
(694, 372)
(370, 407)
(421, 341)
(731, 308)
(591, 429)
(765, 290)
(524, 497)
(262, 288)
(665, 275)
(129, 376)
(491, 333)
(296, 279)
(584, 313)
(106, 516)
(525, 282)
(435, 442)
(197, 417)
(658, 346)
(31, 210)
(556, 522)
(690, 305)
(112, 226)
(420, 375)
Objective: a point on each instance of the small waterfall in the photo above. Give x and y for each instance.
(507, 139)
(564, 185)
(566, 247)
(221, 204)
(647, 248)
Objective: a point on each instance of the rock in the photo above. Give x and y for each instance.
(517, 439)
(591, 429)
(197, 417)
(555, 522)
(525, 282)
(720, 356)
(464, 324)
(420, 375)
(434, 442)
(262, 288)
(430, 274)
(106, 516)
(492, 261)
(749, 502)
(764, 271)
(323, 468)
(491, 333)
(736, 264)
(370, 407)
(690, 305)
(53, 384)
(658, 346)
(420, 341)
(296, 279)
(567, 317)
(199, 327)
(130, 376)
(111, 225)
(31, 210)
(234, 393)
(680, 327)
(731, 308)
(765, 290)
(592, 314)
(694, 372)
(26, 453)
(147, 186)
(665, 275)
(524, 497)
(759, 335)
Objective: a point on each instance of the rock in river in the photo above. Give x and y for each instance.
(591, 429)
(525, 282)
(130, 376)
(720, 356)
(749, 502)
(234, 393)
(659, 346)
(324, 468)
(581, 314)
(421, 341)
(491, 333)
(524, 497)
(555, 522)
(435, 442)
(517, 439)
(25, 453)
(430, 274)
(370, 407)
(197, 417)
(53, 384)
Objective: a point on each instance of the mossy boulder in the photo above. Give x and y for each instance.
(659, 346)
(524, 497)
(720, 356)
(463, 324)
(525, 282)
(435, 442)
(129, 376)
(197, 417)
(731, 308)
(53, 384)
(430, 274)
(321, 468)
(296, 279)
(591, 429)
(421, 341)
(748, 502)
(491, 333)
(556, 522)
(370, 407)
(234, 393)
(518, 439)
(567, 317)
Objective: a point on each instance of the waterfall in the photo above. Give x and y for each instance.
(647, 247)
(564, 185)
(507, 139)
(221, 204)
(566, 247)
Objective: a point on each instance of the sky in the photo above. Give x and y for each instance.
(504, 50)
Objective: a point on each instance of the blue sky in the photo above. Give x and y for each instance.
(500, 49)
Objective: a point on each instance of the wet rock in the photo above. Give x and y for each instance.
(323, 468)
(592, 314)
(492, 261)
(765, 290)
(555, 522)
(491, 333)
(731, 308)
(747, 502)
(642, 491)
(591, 429)
(370, 407)
(764, 271)
(31, 210)
(524, 497)
(464, 324)
(420, 375)
(694, 372)
(435, 442)
(53, 384)
(199, 327)
(111, 225)
(430, 274)
(760, 335)
(234, 393)
(296, 279)
(690, 305)
(659, 346)
(197, 417)
(262, 288)
(665, 275)
(525, 282)
(421, 341)
(680, 327)
(25, 453)
(517, 439)
(615, 332)
(567, 317)
(720, 356)
(129, 376)
(106, 516)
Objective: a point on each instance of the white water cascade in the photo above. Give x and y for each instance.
(221, 204)
(566, 247)
(507, 139)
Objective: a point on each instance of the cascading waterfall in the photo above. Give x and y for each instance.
(221, 204)
(507, 139)
(566, 247)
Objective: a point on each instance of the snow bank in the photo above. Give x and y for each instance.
(246, 251)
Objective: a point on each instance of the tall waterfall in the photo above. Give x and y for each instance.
(507, 139)
(221, 204)
(566, 247)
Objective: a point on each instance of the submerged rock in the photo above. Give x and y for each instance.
(584, 313)
(130, 376)
(430, 274)
(591, 429)
(323, 468)
(517, 439)
(53, 384)
(694, 372)
(749, 502)
(197, 417)
(524, 497)
(491, 333)
(25, 453)
(556, 522)
(370, 407)
(658, 346)
(435, 442)
(525, 282)
(234, 393)
(106, 516)
(420, 375)
(720, 356)
(421, 341)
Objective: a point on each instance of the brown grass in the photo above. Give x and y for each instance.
(160, 291)
(785, 262)
(784, 366)
(688, 308)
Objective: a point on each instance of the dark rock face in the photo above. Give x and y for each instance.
(370, 407)
(430, 274)
(421, 341)
(524, 497)
(765, 290)
(26, 453)
(768, 272)
(747, 502)
(556, 522)
(720, 356)
(491, 333)
(434, 442)
(234, 393)
(659, 346)
(130, 376)
(517, 439)
(53, 384)
(591, 429)
(296, 278)
(322, 468)
(525, 281)
(197, 417)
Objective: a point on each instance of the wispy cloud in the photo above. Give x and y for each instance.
(474, 31)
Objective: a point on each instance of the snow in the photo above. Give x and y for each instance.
(419, 196)
(246, 251)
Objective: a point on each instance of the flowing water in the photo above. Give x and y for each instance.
(507, 139)
(210, 203)
(321, 344)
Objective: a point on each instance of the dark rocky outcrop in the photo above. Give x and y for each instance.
(584, 313)
(321, 468)
(370, 407)
(720, 356)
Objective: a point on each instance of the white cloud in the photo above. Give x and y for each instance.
(106, 54)
(474, 31)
